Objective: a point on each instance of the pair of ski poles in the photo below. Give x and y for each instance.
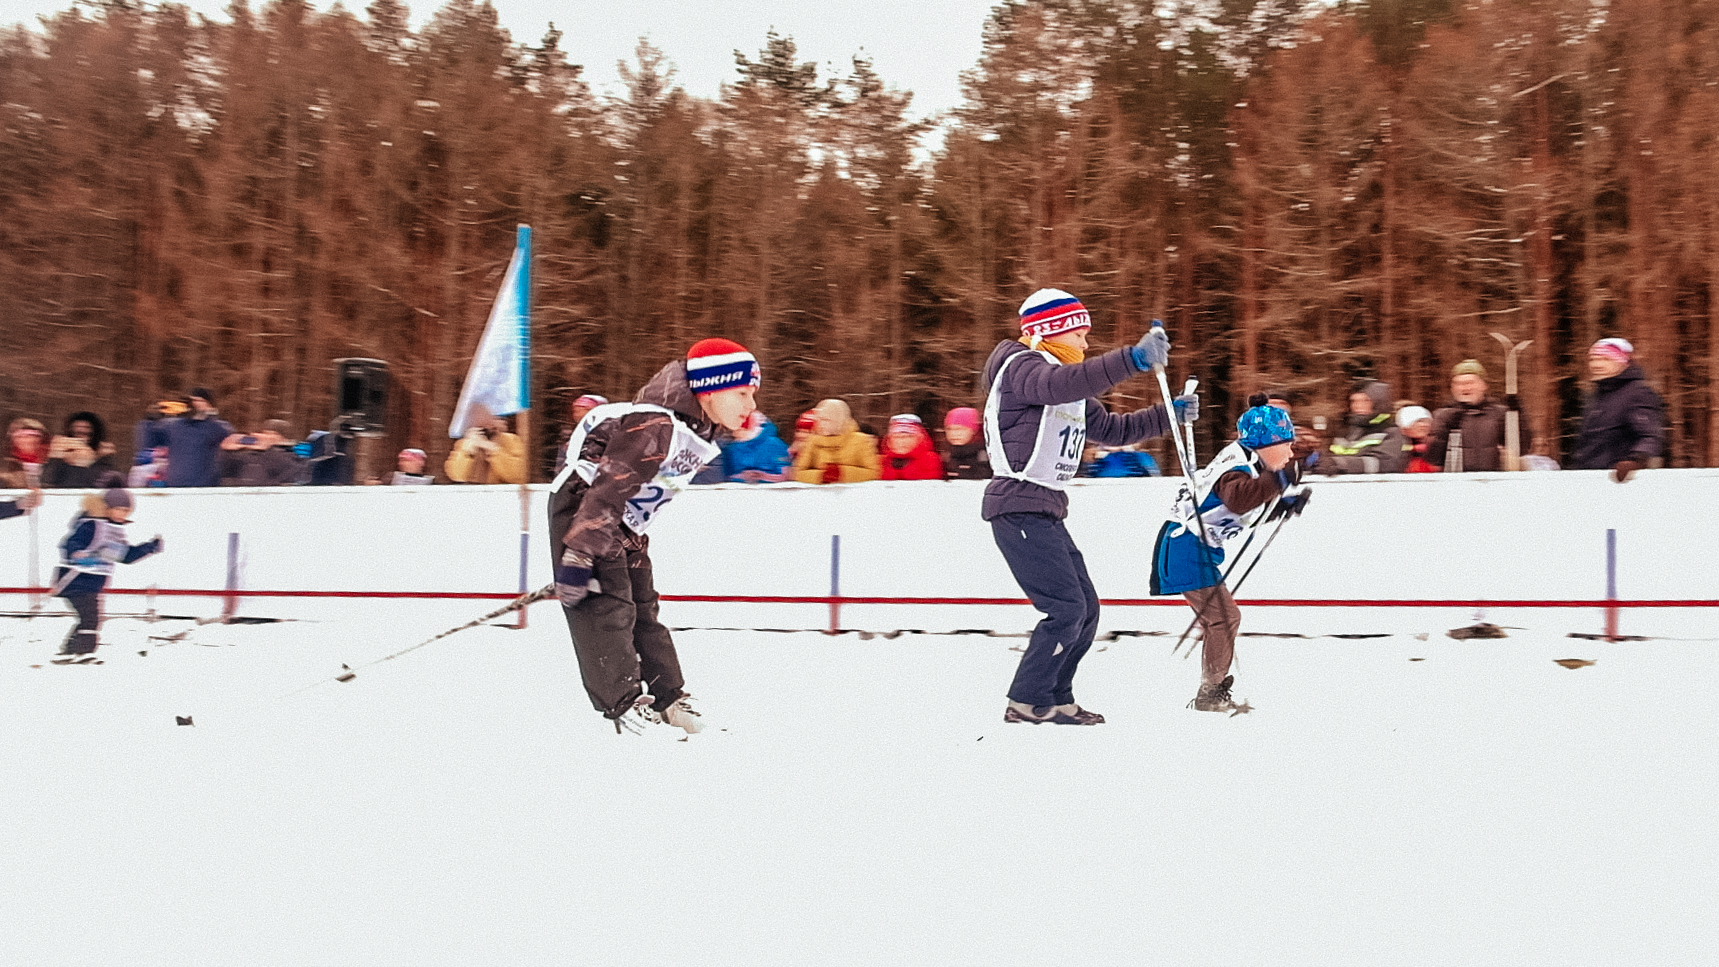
(1185, 454)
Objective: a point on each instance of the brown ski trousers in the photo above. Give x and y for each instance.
(1220, 621)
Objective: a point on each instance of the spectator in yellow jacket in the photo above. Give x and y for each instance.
(837, 452)
(487, 454)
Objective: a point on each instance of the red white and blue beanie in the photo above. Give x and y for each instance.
(908, 422)
(1050, 312)
(713, 365)
(1613, 348)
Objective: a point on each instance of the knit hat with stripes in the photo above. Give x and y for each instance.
(1050, 312)
(713, 365)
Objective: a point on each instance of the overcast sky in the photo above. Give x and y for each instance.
(918, 46)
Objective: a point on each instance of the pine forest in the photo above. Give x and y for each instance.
(1305, 192)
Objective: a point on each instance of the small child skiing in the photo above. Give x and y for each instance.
(625, 462)
(1240, 487)
(1039, 413)
(88, 553)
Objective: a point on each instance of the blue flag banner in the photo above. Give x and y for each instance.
(499, 381)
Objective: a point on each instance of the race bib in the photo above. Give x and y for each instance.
(688, 453)
(1056, 451)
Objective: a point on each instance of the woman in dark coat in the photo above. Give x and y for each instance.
(80, 457)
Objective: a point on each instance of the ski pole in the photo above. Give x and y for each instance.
(1252, 533)
(347, 673)
(1241, 552)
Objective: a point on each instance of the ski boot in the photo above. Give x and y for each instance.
(1215, 697)
(1069, 714)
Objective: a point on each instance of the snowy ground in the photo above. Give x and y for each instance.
(863, 804)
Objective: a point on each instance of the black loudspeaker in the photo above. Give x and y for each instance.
(361, 395)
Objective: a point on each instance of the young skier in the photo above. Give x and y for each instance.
(625, 461)
(1236, 488)
(1039, 413)
(88, 553)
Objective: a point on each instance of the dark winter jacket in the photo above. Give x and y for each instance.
(10, 508)
(969, 462)
(82, 467)
(586, 518)
(1624, 419)
(765, 453)
(1034, 383)
(72, 551)
(1482, 428)
(920, 463)
(278, 466)
(1369, 444)
(193, 445)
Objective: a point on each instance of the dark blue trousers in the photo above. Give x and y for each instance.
(1049, 568)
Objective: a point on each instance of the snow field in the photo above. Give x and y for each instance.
(863, 804)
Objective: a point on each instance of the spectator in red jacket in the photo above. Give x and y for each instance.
(908, 453)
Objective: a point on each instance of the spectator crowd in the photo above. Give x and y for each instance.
(184, 442)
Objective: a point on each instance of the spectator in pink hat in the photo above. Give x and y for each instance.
(1623, 426)
(966, 458)
(409, 470)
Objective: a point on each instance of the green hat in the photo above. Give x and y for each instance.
(1469, 367)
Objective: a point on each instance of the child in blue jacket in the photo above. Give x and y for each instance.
(88, 554)
(1238, 489)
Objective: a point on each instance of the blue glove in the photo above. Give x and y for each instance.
(1187, 408)
(1311, 460)
(1153, 349)
(572, 581)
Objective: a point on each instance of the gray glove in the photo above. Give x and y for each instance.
(1187, 408)
(1153, 349)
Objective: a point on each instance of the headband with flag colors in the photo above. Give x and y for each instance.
(713, 365)
(1051, 312)
(1613, 348)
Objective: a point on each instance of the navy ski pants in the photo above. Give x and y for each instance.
(1050, 569)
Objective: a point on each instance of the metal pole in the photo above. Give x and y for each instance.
(230, 600)
(835, 585)
(524, 544)
(1611, 584)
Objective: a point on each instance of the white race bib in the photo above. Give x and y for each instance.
(1219, 523)
(687, 454)
(1056, 451)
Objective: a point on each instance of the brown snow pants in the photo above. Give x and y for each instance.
(1220, 621)
(623, 649)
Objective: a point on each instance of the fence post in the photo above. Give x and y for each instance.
(1611, 584)
(835, 585)
(230, 600)
(524, 544)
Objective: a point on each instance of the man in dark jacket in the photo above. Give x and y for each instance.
(1623, 426)
(1371, 442)
(193, 443)
(1041, 409)
(1477, 417)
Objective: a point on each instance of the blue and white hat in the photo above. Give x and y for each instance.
(713, 365)
(1264, 425)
